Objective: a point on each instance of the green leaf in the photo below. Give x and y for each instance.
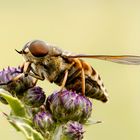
(16, 105)
(91, 121)
(24, 125)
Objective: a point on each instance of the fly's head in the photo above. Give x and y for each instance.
(37, 50)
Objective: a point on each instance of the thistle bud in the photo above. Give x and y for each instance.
(15, 87)
(67, 105)
(34, 97)
(73, 130)
(43, 122)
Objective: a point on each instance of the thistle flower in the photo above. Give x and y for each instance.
(67, 105)
(34, 97)
(73, 130)
(44, 123)
(14, 87)
(61, 117)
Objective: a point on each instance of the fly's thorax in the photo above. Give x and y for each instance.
(54, 67)
(50, 67)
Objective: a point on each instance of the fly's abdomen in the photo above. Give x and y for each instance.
(94, 90)
(94, 87)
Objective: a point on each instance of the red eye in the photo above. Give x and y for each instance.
(38, 48)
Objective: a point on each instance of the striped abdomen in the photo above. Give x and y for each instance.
(94, 87)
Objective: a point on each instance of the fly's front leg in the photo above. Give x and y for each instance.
(25, 68)
(38, 77)
(12, 80)
(31, 72)
(26, 71)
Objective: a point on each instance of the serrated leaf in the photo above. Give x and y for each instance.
(24, 125)
(16, 105)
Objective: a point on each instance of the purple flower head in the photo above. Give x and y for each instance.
(34, 97)
(43, 122)
(73, 130)
(14, 87)
(67, 105)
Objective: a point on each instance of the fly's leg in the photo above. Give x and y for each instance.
(66, 76)
(38, 77)
(34, 82)
(83, 81)
(18, 76)
(12, 80)
(80, 66)
(24, 67)
(64, 80)
(26, 71)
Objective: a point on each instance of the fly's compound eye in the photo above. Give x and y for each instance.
(38, 48)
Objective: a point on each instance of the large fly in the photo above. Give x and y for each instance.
(44, 61)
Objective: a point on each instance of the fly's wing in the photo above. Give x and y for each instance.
(122, 59)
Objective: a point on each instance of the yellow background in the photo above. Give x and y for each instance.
(81, 26)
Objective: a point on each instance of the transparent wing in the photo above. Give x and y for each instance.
(122, 59)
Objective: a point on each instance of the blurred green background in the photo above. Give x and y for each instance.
(81, 26)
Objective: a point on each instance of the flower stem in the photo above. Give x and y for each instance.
(57, 133)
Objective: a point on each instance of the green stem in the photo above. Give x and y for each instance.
(57, 133)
